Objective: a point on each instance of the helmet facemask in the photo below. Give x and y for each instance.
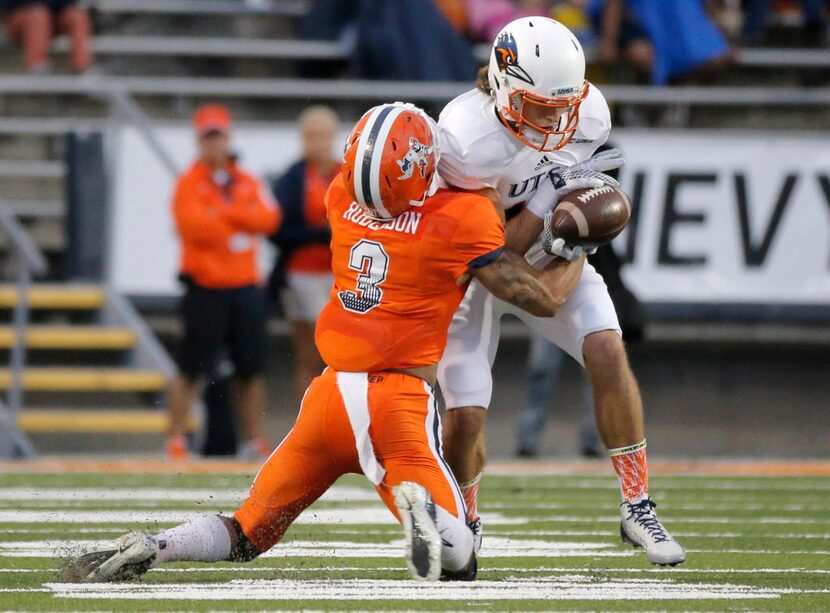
(536, 136)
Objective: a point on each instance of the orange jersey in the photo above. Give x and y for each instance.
(396, 283)
(218, 226)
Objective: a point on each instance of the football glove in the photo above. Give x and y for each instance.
(556, 246)
(603, 162)
(583, 175)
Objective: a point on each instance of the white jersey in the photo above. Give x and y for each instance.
(478, 151)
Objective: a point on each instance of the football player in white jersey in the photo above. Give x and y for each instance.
(526, 136)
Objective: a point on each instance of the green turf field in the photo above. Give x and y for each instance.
(551, 543)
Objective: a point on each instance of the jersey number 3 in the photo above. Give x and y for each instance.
(371, 262)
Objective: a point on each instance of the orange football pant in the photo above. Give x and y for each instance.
(383, 424)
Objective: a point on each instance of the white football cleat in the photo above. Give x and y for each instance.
(130, 557)
(641, 528)
(478, 531)
(423, 541)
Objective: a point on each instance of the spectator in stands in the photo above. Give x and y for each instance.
(686, 43)
(484, 18)
(401, 40)
(621, 37)
(303, 270)
(758, 13)
(35, 23)
(220, 212)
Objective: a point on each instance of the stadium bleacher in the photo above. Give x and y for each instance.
(171, 70)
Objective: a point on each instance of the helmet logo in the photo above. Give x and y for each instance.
(507, 58)
(416, 156)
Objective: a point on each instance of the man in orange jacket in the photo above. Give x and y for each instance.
(220, 213)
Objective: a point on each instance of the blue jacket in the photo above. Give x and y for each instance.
(295, 231)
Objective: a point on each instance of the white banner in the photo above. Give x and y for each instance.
(727, 216)
(721, 216)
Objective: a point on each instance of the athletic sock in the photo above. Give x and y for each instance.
(205, 539)
(456, 540)
(632, 470)
(470, 492)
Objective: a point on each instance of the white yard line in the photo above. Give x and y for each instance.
(762, 551)
(230, 502)
(260, 568)
(364, 515)
(736, 507)
(574, 587)
(667, 483)
(329, 516)
(335, 494)
(496, 548)
(610, 532)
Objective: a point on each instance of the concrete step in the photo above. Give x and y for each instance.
(32, 209)
(56, 296)
(86, 338)
(32, 169)
(82, 379)
(117, 420)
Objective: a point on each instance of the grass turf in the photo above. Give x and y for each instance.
(551, 543)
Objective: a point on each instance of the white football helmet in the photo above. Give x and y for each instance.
(538, 62)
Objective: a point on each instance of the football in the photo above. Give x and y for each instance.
(591, 217)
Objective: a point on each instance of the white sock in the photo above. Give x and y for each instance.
(456, 556)
(205, 539)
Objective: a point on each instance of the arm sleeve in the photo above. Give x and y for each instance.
(195, 222)
(257, 215)
(478, 239)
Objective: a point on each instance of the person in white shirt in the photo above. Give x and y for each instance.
(526, 136)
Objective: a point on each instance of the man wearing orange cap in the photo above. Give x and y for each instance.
(220, 212)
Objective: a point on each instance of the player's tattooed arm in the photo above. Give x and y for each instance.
(513, 280)
(560, 277)
(522, 231)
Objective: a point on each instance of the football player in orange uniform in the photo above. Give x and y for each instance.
(401, 262)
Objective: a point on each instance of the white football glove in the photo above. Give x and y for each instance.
(556, 246)
(584, 175)
(603, 162)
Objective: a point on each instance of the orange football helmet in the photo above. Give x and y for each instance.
(390, 159)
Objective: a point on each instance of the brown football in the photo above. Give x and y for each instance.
(591, 217)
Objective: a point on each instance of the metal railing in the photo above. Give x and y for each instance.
(360, 90)
(222, 8)
(29, 262)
